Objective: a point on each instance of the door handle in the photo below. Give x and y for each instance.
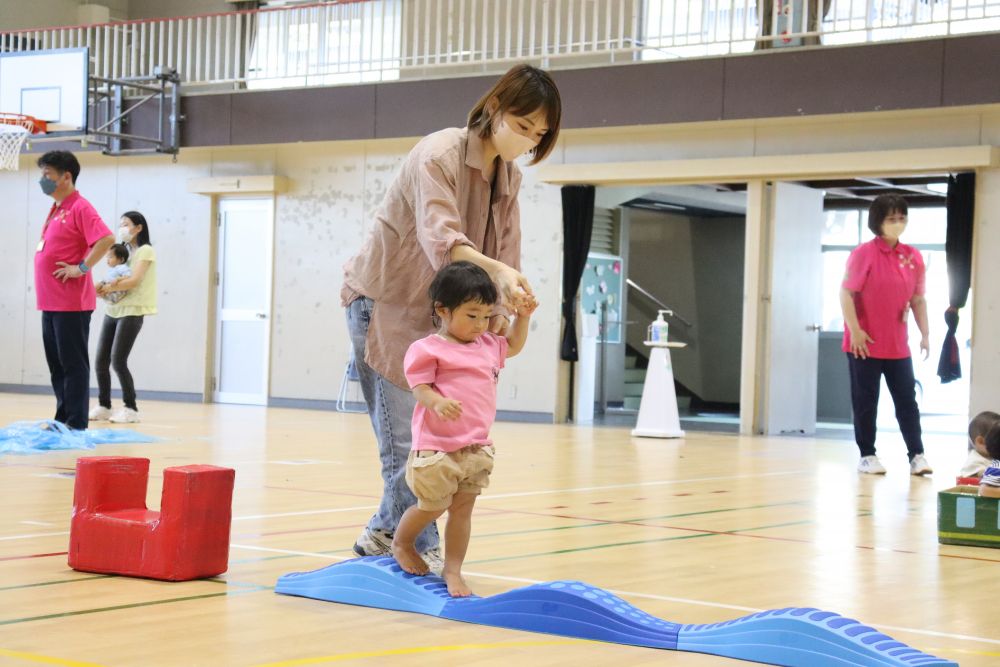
(814, 327)
(261, 316)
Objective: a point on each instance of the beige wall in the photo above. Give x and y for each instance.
(319, 224)
(320, 220)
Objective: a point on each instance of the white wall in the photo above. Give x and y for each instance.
(319, 224)
(985, 371)
(334, 187)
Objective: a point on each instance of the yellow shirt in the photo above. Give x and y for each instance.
(141, 299)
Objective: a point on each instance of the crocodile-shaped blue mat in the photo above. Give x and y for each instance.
(791, 636)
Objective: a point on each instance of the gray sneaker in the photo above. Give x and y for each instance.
(373, 543)
(433, 559)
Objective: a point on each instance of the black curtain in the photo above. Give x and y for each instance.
(578, 223)
(958, 249)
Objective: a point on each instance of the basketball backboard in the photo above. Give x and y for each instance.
(49, 85)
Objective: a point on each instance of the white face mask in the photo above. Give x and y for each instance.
(124, 236)
(510, 144)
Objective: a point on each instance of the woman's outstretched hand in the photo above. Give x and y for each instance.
(515, 290)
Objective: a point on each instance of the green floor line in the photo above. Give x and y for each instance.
(634, 542)
(135, 605)
(54, 583)
(640, 519)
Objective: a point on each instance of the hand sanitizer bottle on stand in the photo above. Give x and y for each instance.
(658, 415)
(659, 328)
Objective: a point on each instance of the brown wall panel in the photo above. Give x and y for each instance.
(903, 75)
(642, 94)
(972, 70)
(303, 114)
(206, 120)
(416, 108)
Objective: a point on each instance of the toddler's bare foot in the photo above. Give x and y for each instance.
(409, 559)
(457, 588)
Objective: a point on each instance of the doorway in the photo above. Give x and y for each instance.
(243, 300)
(682, 251)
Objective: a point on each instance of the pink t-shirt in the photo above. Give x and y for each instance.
(69, 232)
(883, 281)
(467, 372)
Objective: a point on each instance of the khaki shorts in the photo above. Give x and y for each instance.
(435, 477)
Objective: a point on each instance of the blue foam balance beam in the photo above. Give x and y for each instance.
(792, 636)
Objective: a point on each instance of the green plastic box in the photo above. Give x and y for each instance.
(966, 518)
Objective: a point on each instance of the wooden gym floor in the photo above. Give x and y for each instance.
(698, 530)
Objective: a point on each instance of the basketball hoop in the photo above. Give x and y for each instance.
(14, 129)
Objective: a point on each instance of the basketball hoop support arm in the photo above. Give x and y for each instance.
(110, 115)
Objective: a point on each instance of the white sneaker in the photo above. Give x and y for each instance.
(434, 561)
(920, 466)
(871, 465)
(99, 413)
(125, 416)
(373, 543)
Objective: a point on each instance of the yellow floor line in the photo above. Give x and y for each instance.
(45, 659)
(414, 650)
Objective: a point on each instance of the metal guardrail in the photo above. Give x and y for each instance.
(352, 41)
(638, 288)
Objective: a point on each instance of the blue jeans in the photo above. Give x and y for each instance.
(391, 412)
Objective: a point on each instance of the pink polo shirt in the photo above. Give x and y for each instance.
(70, 230)
(883, 280)
(467, 372)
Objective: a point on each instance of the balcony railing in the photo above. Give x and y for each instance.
(352, 41)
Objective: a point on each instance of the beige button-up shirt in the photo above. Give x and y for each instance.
(438, 200)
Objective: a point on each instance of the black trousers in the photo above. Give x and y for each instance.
(866, 381)
(65, 336)
(118, 335)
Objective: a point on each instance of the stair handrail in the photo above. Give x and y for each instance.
(673, 313)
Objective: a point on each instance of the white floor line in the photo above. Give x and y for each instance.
(37, 523)
(633, 594)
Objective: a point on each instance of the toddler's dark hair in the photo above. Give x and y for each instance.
(982, 423)
(993, 441)
(120, 251)
(460, 282)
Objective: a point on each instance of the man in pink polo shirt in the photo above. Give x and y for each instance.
(883, 283)
(73, 239)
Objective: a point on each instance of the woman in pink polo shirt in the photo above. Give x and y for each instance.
(883, 283)
(454, 198)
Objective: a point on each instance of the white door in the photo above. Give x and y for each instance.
(243, 330)
(796, 307)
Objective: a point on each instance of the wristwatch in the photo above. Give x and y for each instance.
(83, 267)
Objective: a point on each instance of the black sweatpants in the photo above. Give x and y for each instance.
(65, 336)
(866, 381)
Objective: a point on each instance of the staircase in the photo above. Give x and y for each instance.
(635, 378)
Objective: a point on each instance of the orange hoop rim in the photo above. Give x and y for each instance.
(30, 123)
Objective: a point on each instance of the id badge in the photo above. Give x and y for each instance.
(41, 245)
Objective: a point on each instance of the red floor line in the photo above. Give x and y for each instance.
(55, 553)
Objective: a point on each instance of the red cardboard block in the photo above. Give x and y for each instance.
(113, 532)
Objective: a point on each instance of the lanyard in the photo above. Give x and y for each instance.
(55, 208)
